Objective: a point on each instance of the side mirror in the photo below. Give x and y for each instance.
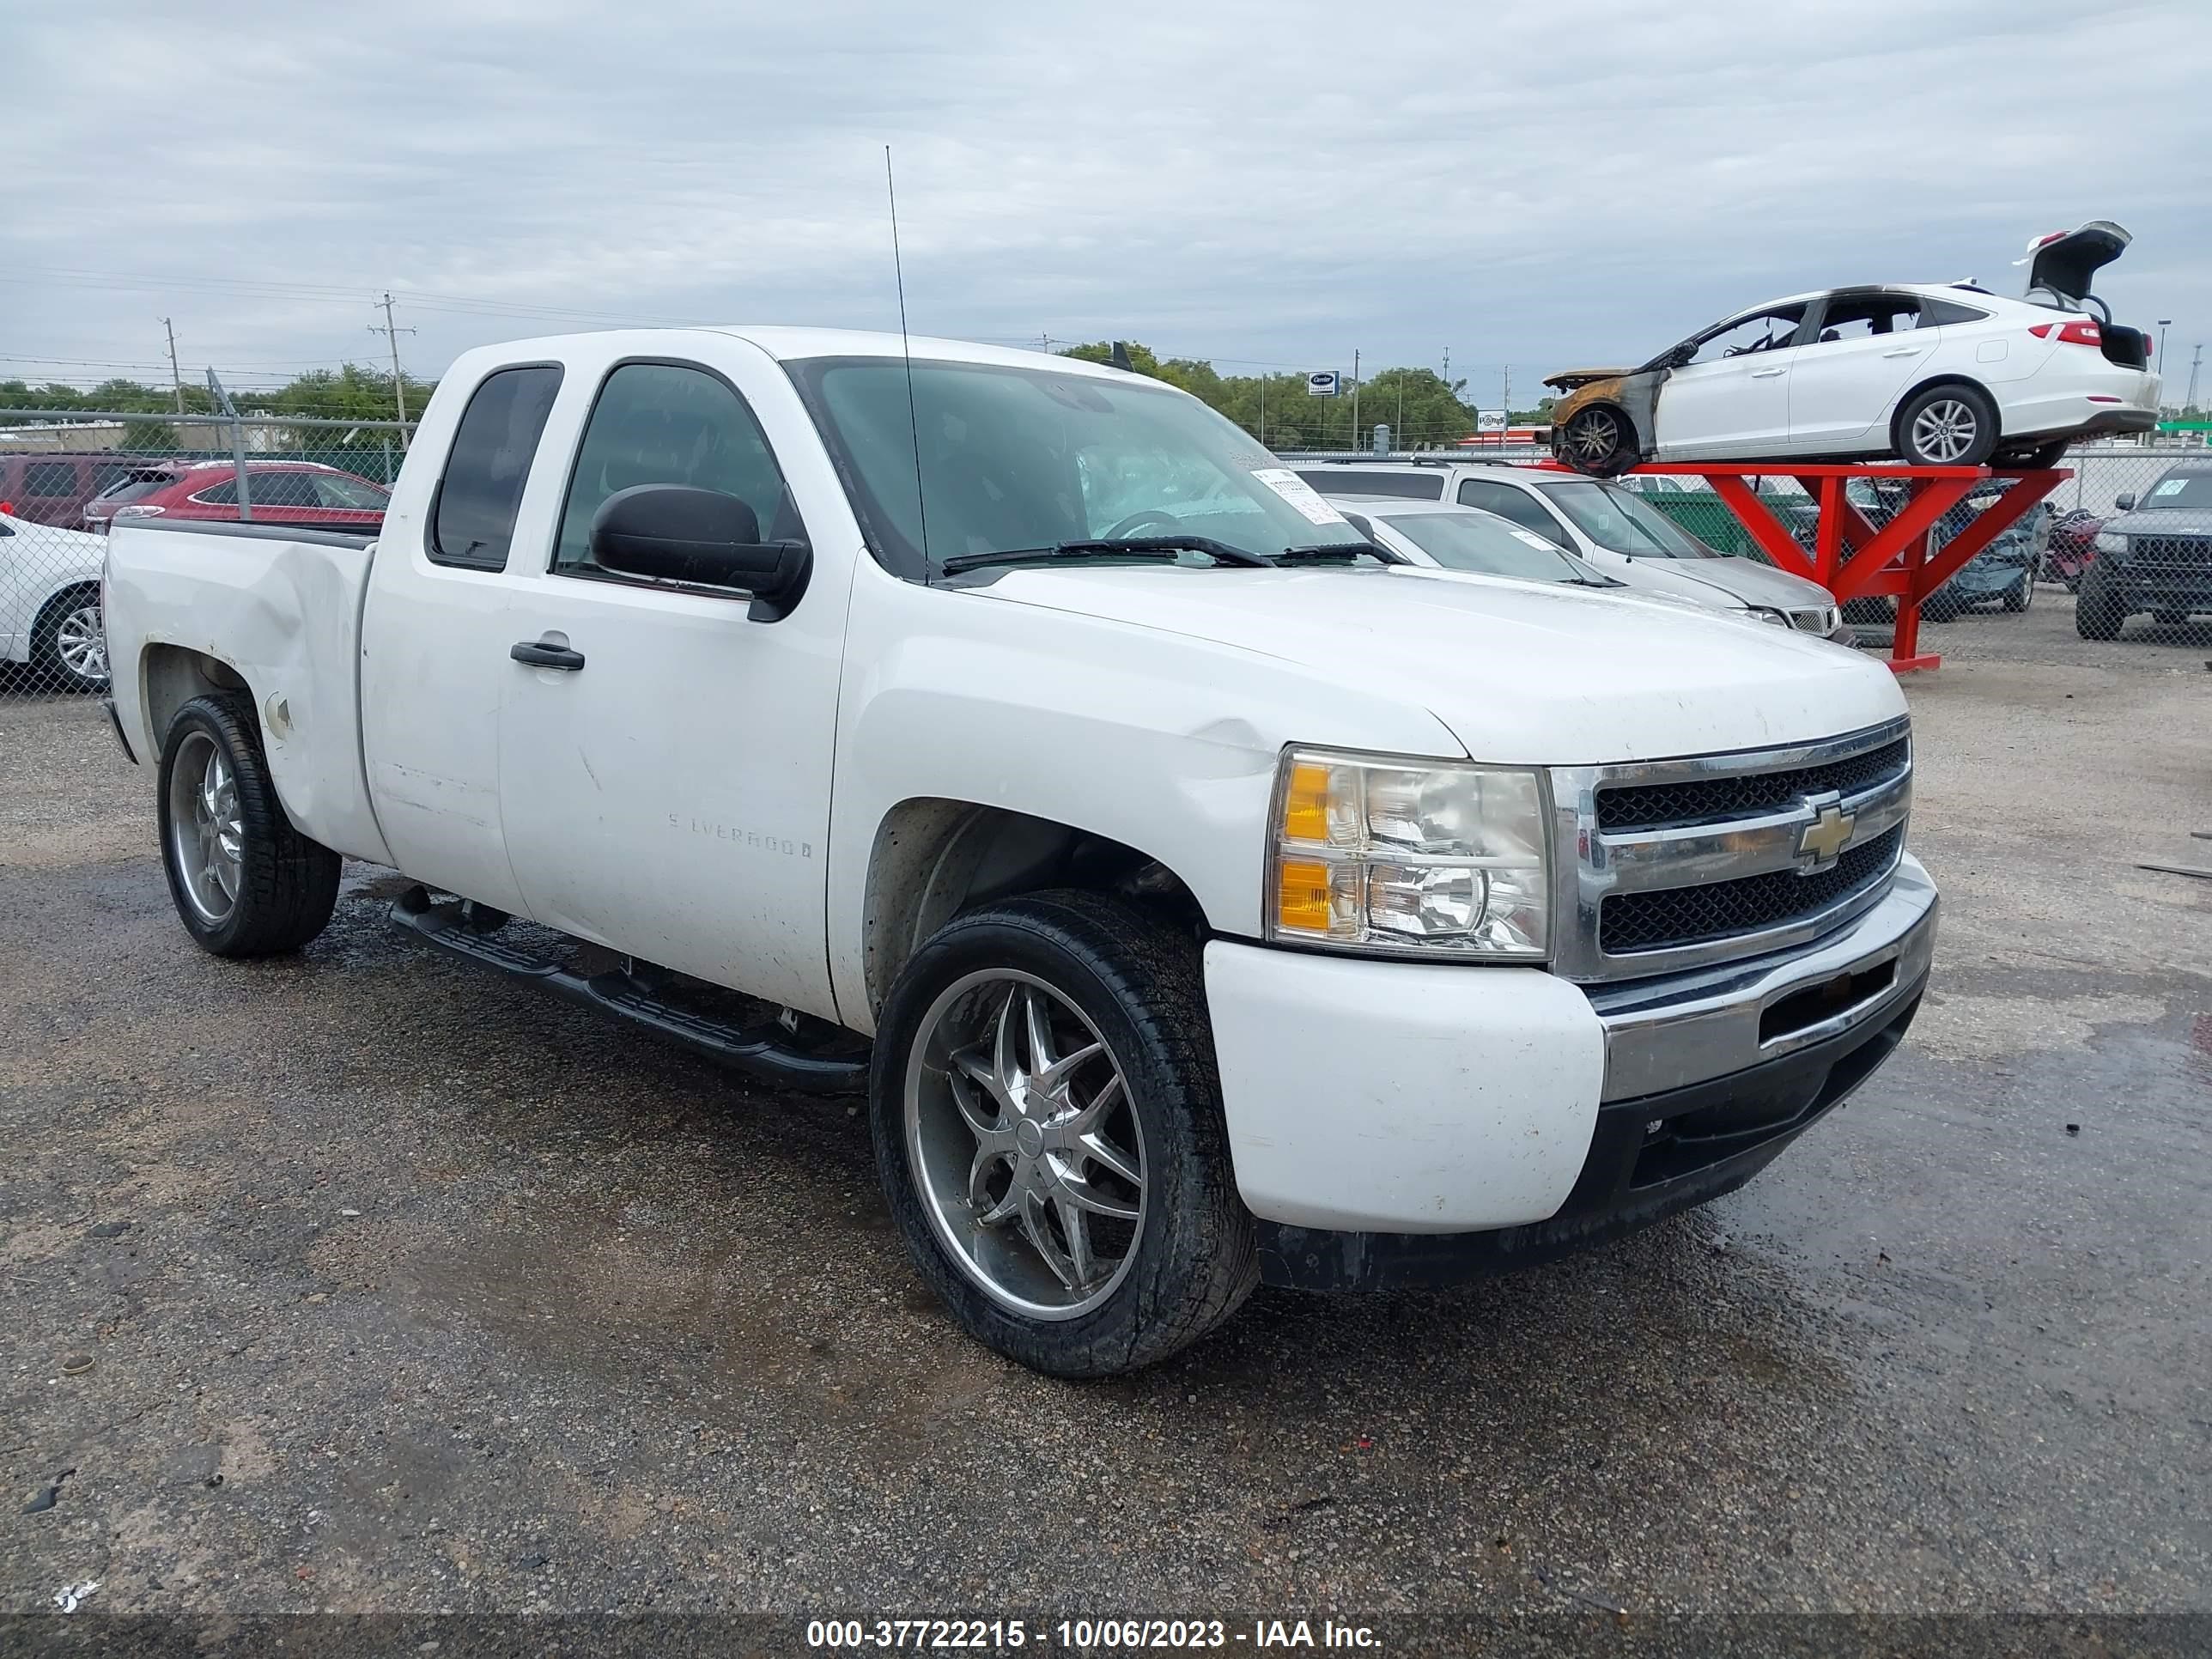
(679, 533)
(2125, 502)
(1683, 354)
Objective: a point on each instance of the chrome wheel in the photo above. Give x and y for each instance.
(81, 643)
(1945, 430)
(206, 836)
(1593, 435)
(1025, 1152)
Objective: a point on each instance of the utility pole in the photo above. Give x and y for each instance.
(392, 337)
(176, 375)
(1352, 436)
(2164, 324)
(1263, 406)
(2194, 362)
(1507, 395)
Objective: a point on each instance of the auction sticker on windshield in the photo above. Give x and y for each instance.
(1299, 494)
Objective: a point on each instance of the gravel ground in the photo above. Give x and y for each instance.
(371, 1283)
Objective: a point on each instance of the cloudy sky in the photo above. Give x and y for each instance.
(1538, 185)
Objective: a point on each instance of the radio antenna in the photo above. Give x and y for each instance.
(906, 350)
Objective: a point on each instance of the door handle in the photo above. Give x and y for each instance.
(545, 654)
(1904, 351)
(1765, 373)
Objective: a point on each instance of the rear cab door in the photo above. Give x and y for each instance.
(1863, 347)
(434, 633)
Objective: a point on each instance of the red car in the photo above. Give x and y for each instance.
(282, 492)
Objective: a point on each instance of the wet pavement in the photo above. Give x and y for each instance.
(366, 1281)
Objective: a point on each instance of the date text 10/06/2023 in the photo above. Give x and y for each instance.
(990, 1635)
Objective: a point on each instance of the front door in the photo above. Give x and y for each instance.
(669, 796)
(1866, 349)
(1732, 397)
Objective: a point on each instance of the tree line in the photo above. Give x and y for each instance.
(1418, 405)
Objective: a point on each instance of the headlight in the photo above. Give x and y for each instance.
(2111, 541)
(1760, 613)
(140, 512)
(1426, 858)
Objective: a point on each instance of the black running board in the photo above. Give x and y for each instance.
(761, 1052)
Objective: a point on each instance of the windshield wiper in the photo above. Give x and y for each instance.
(1342, 551)
(1158, 547)
(1590, 581)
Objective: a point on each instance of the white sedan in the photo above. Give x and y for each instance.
(1938, 375)
(49, 605)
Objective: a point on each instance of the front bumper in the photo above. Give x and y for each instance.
(1393, 1123)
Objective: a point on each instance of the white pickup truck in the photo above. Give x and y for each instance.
(1199, 897)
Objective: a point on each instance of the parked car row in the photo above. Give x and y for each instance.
(90, 491)
(1613, 531)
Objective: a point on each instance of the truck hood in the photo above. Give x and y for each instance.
(2161, 521)
(1521, 673)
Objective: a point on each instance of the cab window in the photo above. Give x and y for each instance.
(670, 423)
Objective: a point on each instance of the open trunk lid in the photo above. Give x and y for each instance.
(2061, 265)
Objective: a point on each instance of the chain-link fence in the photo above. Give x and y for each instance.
(63, 484)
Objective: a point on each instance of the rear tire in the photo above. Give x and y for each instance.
(1940, 606)
(991, 1177)
(69, 644)
(1950, 425)
(245, 883)
(2099, 613)
(2021, 594)
(1599, 440)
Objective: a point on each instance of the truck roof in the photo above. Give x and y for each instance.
(788, 344)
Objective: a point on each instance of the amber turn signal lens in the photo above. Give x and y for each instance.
(1305, 803)
(1301, 894)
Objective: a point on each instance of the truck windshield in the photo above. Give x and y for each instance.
(1021, 459)
(2177, 488)
(1623, 521)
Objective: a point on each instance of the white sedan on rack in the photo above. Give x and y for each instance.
(1937, 374)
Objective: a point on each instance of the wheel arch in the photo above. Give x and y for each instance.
(934, 857)
(171, 676)
(1929, 383)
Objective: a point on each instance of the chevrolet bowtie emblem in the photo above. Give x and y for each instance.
(1822, 842)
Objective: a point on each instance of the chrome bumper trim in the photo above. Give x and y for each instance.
(1663, 1034)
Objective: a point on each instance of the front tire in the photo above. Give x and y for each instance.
(2021, 594)
(245, 883)
(69, 644)
(2098, 612)
(1952, 425)
(1049, 1136)
(1598, 440)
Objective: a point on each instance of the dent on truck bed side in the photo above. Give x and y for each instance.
(1164, 743)
(186, 609)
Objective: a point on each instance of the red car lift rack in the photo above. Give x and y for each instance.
(1852, 559)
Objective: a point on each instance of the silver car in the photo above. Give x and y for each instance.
(1611, 529)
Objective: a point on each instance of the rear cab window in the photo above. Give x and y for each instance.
(472, 522)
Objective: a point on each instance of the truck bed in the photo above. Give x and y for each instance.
(194, 607)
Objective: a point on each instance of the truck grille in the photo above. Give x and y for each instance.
(1654, 805)
(2187, 554)
(1722, 909)
(1687, 863)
